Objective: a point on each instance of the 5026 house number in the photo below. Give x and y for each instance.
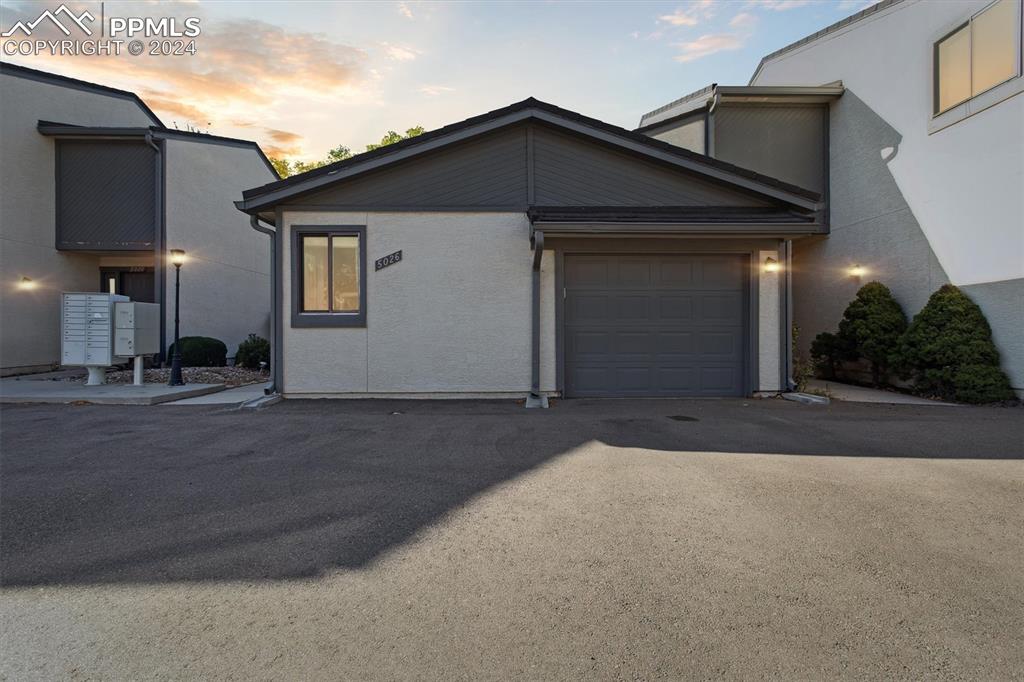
(387, 260)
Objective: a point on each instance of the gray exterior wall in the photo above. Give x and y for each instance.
(787, 142)
(29, 333)
(572, 172)
(106, 195)
(527, 165)
(225, 285)
(873, 226)
(686, 134)
(453, 317)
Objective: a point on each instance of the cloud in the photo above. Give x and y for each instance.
(778, 5)
(690, 15)
(399, 53)
(434, 90)
(743, 21)
(405, 10)
(281, 143)
(708, 45)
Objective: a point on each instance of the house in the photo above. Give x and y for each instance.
(918, 109)
(94, 190)
(533, 250)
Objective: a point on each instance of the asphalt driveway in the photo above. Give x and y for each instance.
(597, 539)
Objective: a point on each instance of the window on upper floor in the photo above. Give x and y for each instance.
(978, 55)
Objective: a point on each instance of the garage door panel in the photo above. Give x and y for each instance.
(633, 273)
(658, 325)
(675, 307)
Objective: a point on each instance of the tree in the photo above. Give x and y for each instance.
(872, 326)
(948, 350)
(286, 168)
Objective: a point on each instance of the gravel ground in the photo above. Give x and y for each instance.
(457, 540)
(230, 376)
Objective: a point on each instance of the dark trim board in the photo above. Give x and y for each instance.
(347, 320)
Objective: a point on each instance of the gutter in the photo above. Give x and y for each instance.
(159, 237)
(535, 399)
(254, 221)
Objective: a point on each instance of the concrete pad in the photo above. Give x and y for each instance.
(230, 396)
(861, 394)
(35, 391)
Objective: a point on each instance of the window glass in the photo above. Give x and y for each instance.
(345, 284)
(314, 273)
(993, 46)
(954, 68)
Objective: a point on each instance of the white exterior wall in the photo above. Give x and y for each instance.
(963, 182)
(453, 317)
(225, 285)
(689, 135)
(30, 320)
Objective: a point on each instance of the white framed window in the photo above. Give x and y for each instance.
(977, 56)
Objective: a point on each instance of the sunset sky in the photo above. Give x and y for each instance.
(302, 77)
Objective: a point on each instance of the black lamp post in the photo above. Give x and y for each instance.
(177, 257)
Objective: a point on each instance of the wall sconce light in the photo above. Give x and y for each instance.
(771, 265)
(26, 284)
(857, 271)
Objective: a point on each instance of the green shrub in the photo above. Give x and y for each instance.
(872, 326)
(252, 352)
(948, 350)
(200, 351)
(828, 351)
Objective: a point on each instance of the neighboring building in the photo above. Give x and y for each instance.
(921, 121)
(94, 190)
(532, 249)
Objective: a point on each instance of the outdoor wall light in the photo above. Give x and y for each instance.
(177, 257)
(26, 284)
(857, 271)
(771, 265)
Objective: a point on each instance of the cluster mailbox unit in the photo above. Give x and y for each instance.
(100, 330)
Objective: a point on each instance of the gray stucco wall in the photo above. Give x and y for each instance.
(452, 317)
(688, 135)
(29, 320)
(872, 225)
(225, 285)
(782, 141)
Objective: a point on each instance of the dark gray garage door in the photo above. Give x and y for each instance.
(655, 325)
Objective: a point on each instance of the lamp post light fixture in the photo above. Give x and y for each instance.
(177, 258)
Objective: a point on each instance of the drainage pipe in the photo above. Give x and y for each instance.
(254, 221)
(535, 399)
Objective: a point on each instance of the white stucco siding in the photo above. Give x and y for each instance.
(688, 135)
(963, 182)
(29, 320)
(452, 317)
(225, 285)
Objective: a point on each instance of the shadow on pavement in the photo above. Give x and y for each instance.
(130, 495)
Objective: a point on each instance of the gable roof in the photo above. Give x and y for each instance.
(260, 198)
(75, 84)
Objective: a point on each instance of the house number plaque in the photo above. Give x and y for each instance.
(387, 260)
